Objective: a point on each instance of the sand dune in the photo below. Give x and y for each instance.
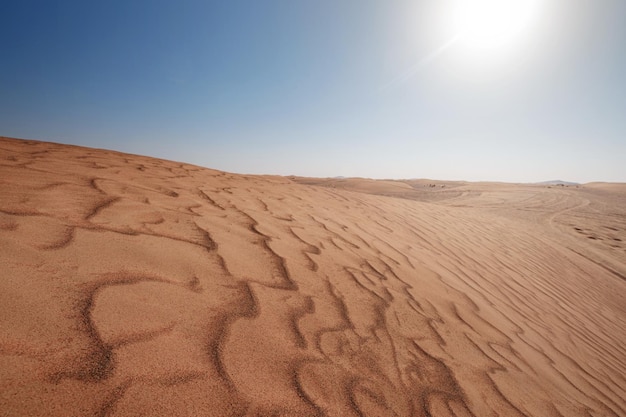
(136, 286)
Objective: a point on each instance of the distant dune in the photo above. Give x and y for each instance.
(134, 286)
(558, 182)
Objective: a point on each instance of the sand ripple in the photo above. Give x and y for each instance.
(136, 286)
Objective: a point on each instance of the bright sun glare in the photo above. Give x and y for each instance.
(487, 24)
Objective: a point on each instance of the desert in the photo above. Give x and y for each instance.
(136, 286)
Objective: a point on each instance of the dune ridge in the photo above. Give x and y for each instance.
(138, 286)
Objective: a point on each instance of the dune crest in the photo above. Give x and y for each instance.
(138, 286)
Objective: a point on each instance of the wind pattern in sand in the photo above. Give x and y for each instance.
(134, 286)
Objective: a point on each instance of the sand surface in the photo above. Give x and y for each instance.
(133, 286)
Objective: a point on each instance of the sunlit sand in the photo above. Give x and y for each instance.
(137, 286)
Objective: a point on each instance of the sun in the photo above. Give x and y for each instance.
(488, 24)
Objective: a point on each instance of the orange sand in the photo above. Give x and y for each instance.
(136, 286)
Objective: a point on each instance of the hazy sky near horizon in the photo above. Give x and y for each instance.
(373, 88)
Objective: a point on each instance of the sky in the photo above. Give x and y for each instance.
(369, 88)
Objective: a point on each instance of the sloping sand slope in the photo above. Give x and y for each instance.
(135, 286)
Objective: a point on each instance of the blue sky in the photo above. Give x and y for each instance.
(321, 88)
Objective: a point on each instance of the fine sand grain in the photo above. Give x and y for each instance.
(133, 286)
